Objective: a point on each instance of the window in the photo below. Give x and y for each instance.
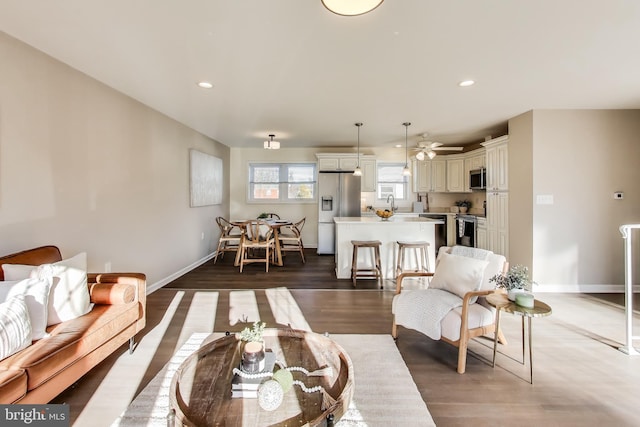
(282, 182)
(391, 181)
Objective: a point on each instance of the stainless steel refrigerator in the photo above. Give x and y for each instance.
(339, 196)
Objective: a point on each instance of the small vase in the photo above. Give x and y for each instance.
(253, 357)
(511, 293)
(463, 209)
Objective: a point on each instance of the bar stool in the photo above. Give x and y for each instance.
(375, 270)
(422, 256)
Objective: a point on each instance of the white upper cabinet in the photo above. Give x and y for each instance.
(497, 164)
(430, 176)
(438, 175)
(328, 164)
(455, 175)
(369, 170)
(421, 176)
(349, 162)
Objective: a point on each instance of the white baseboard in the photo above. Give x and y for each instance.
(585, 289)
(157, 285)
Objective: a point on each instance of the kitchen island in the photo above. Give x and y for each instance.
(397, 228)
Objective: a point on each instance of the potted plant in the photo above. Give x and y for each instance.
(463, 205)
(253, 349)
(514, 281)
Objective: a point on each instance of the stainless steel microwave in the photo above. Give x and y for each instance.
(478, 179)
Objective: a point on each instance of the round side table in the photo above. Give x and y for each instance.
(502, 303)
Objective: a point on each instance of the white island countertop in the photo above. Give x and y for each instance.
(388, 232)
(377, 219)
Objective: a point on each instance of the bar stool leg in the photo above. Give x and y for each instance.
(354, 265)
(378, 265)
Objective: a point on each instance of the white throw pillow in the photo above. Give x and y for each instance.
(458, 274)
(15, 328)
(36, 294)
(69, 298)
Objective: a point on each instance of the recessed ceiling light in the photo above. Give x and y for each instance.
(466, 83)
(205, 85)
(399, 145)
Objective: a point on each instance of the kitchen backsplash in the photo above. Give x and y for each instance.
(438, 202)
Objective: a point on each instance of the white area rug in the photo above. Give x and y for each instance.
(384, 393)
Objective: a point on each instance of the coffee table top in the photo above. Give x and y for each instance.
(501, 301)
(200, 391)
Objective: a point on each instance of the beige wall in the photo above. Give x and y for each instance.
(520, 148)
(89, 169)
(580, 157)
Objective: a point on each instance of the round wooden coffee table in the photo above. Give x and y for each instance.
(200, 391)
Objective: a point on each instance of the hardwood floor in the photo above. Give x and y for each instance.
(580, 378)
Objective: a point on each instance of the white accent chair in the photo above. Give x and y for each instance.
(473, 317)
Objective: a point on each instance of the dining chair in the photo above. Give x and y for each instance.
(291, 238)
(453, 308)
(230, 235)
(257, 240)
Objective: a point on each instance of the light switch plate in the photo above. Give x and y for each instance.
(544, 199)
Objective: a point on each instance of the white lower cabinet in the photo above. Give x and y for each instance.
(481, 234)
(498, 222)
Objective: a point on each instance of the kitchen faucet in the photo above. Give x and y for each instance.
(393, 200)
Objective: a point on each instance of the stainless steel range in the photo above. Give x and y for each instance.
(466, 230)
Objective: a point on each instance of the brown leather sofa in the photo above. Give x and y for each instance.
(43, 370)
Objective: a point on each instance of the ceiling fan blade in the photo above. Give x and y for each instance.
(448, 148)
(435, 144)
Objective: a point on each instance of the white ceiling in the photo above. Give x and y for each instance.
(292, 68)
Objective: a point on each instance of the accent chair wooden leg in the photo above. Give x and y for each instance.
(462, 357)
(394, 329)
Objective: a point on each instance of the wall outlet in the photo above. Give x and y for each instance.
(618, 195)
(202, 236)
(107, 267)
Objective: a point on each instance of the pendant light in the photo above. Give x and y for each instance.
(271, 144)
(406, 171)
(351, 7)
(358, 171)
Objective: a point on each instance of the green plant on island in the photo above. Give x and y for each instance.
(254, 333)
(263, 215)
(517, 277)
(463, 204)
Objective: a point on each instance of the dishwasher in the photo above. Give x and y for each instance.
(440, 229)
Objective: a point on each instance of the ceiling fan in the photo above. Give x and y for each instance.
(429, 148)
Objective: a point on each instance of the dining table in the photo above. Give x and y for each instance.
(275, 225)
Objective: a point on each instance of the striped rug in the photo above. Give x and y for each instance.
(384, 392)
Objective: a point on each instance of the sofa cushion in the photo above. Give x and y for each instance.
(71, 340)
(112, 293)
(13, 385)
(36, 294)
(15, 328)
(69, 298)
